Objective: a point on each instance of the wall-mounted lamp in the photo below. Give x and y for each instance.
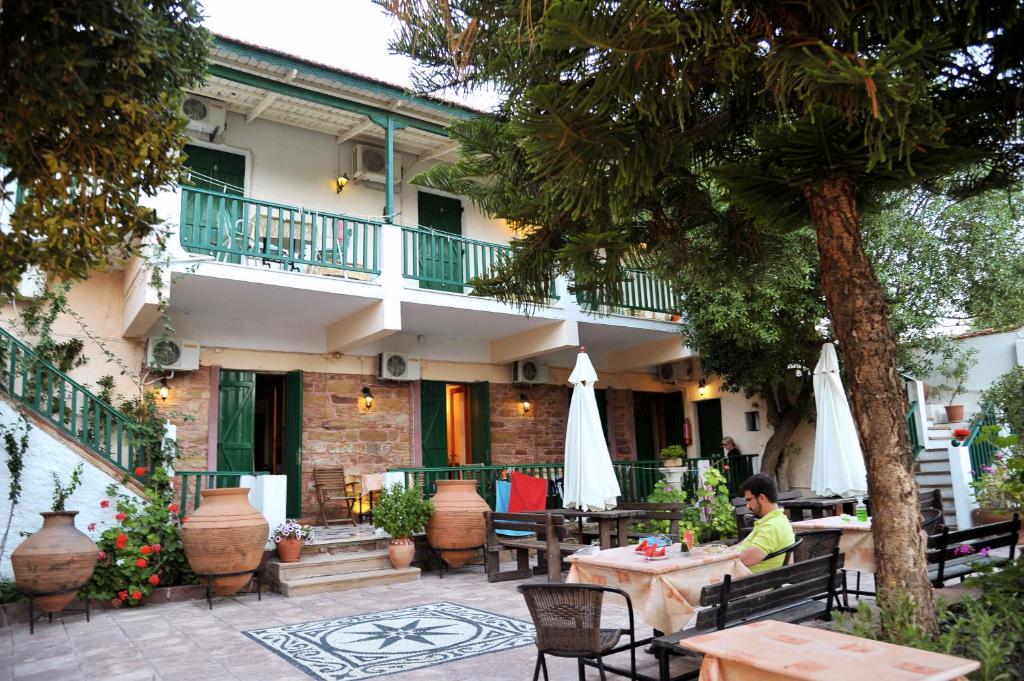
(164, 390)
(367, 397)
(341, 182)
(702, 389)
(525, 402)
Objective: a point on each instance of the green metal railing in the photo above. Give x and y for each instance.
(911, 420)
(188, 484)
(640, 291)
(67, 405)
(448, 260)
(244, 230)
(636, 478)
(981, 451)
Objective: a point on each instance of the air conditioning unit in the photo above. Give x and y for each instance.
(205, 116)
(674, 372)
(667, 373)
(179, 354)
(396, 367)
(369, 165)
(529, 371)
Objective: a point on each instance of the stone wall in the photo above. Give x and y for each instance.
(537, 436)
(620, 415)
(188, 407)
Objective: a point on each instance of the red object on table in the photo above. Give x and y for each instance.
(528, 493)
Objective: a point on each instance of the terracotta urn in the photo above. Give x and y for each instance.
(55, 558)
(401, 552)
(289, 549)
(225, 534)
(954, 413)
(458, 521)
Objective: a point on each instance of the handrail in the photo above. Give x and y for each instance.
(448, 260)
(981, 452)
(69, 406)
(639, 291)
(911, 420)
(192, 483)
(244, 230)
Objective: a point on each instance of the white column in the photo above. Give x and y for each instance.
(963, 496)
(268, 494)
(391, 256)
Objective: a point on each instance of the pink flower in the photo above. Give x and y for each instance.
(963, 550)
(105, 503)
(120, 517)
(91, 527)
(156, 548)
(116, 602)
(101, 555)
(984, 551)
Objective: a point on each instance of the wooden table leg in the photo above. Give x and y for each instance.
(604, 526)
(622, 533)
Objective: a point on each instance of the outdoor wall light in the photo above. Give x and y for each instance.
(525, 402)
(367, 397)
(342, 182)
(702, 389)
(164, 390)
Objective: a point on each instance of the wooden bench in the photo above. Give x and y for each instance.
(794, 593)
(549, 529)
(956, 554)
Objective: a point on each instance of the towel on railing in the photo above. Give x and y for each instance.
(528, 493)
(502, 492)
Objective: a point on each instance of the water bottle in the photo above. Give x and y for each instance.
(862, 510)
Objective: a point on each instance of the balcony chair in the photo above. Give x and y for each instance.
(331, 485)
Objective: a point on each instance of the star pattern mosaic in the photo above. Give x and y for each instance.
(394, 641)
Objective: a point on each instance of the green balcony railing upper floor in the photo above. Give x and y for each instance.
(258, 233)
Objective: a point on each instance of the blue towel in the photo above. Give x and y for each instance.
(502, 492)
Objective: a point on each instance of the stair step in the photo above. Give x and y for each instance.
(934, 455)
(941, 466)
(356, 580)
(939, 479)
(357, 544)
(321, 564)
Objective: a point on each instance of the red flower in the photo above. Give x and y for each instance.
(145, 550)
(139, 471)
(185, 519)
(119, 517)
(101, 555)
(961, 433)
(156, 548)
(122, 595)
(136, 595)
(105, 503)
(725, 467)
(122, 539)
(173, 508)
(154, 579)
(141, 563)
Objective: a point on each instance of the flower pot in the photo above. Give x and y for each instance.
(987, 516)
(954, 413)
(289, 549)
(672, 463)
(225, 534)
(401, 552)
(458, 520)
(55, 558)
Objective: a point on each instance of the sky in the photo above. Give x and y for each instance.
(348, 34)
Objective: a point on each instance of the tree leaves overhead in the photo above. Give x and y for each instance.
(89, 124)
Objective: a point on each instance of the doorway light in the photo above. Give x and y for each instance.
(702, 389)
(367, 397)
(341, 183)
(164, 390)
(525, 402)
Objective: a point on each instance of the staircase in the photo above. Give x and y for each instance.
(340, 560)
(932, 468)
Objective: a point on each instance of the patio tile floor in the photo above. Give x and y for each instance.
(186, 642)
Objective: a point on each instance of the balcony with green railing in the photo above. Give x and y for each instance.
(243, 230)
(448, 262)
(639, 291)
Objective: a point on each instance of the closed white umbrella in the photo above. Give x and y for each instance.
(838, 459)
(590, 483)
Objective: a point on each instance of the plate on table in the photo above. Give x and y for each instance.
(656, 557)
(716, 549)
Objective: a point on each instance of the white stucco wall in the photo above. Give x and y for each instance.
(47, 455)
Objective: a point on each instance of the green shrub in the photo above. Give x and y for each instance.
(10, 592)
(401, 511)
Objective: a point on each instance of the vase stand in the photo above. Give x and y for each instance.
(33, 617)
(256, 573)
(442, 566)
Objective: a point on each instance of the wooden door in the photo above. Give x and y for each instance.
(440, 258)
(709, 428)
(236, 421)
(434, 424)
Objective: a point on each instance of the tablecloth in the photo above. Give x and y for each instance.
(857, 543)
(666, 593)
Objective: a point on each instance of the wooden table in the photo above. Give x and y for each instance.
(617, 519)
(779, 651)
(665, 592)
(819, 507)
(857, 543)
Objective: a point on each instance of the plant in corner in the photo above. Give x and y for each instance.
(289, 537)
(673, 455)
(957, 369)
(402, 512)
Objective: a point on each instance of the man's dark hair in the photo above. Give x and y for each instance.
(761, 484)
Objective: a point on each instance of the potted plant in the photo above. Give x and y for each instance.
(673, 456)
(402, 512)
(956, 369)
(289, 537)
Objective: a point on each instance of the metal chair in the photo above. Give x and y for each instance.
(815, 543)
(568, 622)
(931, 520)
(787, 551)
(330, 485)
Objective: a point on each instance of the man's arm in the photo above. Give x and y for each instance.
(752, 555)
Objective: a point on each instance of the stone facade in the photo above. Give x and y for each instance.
(620, 414)
(188, 407)
(537, 436)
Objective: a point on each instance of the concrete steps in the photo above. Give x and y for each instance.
(345, 582)
(932, 469)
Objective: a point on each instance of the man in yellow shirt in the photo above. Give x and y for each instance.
(772, 530)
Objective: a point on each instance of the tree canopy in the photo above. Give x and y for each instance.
(89, 123)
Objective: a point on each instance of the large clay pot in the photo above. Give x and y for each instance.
(954, 413)
(54, 558)
(987, 516)
(458, 520)
(401, 552)
(289, 549)
(225, 534)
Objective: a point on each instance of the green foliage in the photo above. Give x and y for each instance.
(956, 369)
(15, 445)
(150, 532)
(989, 628)
(711, 517)
(89, 123)
(61, 493)
(402, 511)
(10, 592)
(1005, 397)
(673, 452)
(1001, 483)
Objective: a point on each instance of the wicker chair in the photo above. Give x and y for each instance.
(816, 543)
(568, 622)
(931, 520)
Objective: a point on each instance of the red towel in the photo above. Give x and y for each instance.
(528, 493)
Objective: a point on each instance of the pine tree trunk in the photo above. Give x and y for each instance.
(859, 314)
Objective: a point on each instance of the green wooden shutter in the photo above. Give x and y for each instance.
(602, 410)
(673, 419)
(709, 427)
(208, 219)
(293, 442)
(434, 431)
(480, 421)
(440, 258)
(235, 423)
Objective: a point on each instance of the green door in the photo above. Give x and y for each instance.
(434, 421)
(236, 421)
(673, 419)
(208, 220)
(709, 428)
(643, 427)
(293, 442)
(480, 421)
(440, 259)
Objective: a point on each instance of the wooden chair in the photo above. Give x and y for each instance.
(331, 485)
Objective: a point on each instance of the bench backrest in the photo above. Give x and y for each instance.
(671, 512)
(947, 545)
(330, 479)
(736, 600)
(541, 523)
